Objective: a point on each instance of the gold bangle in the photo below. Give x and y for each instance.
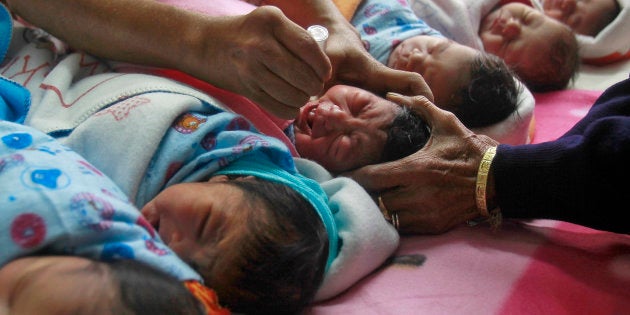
(482, 181)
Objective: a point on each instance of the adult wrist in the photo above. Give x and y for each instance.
(482, 181)
(485, 191)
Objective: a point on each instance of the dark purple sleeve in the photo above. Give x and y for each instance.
(583, 177)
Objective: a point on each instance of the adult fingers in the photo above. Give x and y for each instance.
(440, 121)
(279, 58)
(308, 64)
(276, 108)
(383, 176)
(304, 47)
(421, 105)
(402, 82)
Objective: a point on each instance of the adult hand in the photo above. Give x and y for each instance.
(353, 65)
(432, 190)
(269, 59)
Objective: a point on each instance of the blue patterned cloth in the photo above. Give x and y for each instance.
(14, 99)
(383, 24)
(6, 30)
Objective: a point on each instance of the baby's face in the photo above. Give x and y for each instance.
(50, 285)
(520, 35)
(345, 128)
(200, 221)
(444, 64)
(587, 17)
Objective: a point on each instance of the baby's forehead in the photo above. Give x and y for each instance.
(555, 25)
(552, 31)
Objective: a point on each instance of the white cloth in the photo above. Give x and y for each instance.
(367, 240)
(613, 40)
(458, 20)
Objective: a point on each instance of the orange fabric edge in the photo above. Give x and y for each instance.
(207, 297)
(347, 7)
(606, 60)
(532, 129)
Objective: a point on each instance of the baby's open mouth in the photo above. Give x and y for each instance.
(305, 120)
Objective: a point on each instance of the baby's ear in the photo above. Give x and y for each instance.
(248, 177)
(219, 178)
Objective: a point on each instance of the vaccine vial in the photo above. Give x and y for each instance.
(538, 5)
(319, 33)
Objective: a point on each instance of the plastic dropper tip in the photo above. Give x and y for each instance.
(319, 33)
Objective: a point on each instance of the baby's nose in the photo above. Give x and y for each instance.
(555, 14)
(417, 55)
(512, 28)
(568, 6)
(333, 115)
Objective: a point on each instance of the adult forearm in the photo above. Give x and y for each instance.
(137, 31)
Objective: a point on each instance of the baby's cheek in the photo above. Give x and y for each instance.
(395, 58)
(555, 14)
(492, 44)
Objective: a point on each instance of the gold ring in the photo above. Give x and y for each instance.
(384, 211)
(395, 221)
(391, 217)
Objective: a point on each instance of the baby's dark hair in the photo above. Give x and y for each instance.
(491, 95)
(559, 70)
(145, 290)
(281, 261)
(407, 134)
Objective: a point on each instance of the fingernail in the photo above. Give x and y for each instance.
(393, 94)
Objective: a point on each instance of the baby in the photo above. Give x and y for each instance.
(477, 87)
(601, 26)
(463, 80)
(227, 199)
(78, 285)
(542, 51)
(257, 242)
(349, 127)
(586, 17)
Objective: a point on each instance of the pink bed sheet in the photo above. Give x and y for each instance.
(556, 112)
(541, 267)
